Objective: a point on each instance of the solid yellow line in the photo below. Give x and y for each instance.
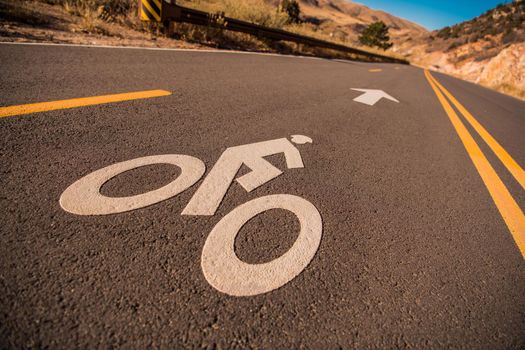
(78, 102)
(373, 70)
(147, 5)
(507, 206)
(500, 152)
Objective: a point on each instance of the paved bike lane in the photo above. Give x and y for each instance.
(411, 249)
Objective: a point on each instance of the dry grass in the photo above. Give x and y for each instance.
(39, 21)
(255, 11)
(215, 37)
(94, 13)
(89, 13)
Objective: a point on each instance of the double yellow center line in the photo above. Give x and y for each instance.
(507, 206)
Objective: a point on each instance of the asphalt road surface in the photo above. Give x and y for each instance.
(400, 229)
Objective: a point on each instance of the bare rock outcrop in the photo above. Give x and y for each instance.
(506, 71)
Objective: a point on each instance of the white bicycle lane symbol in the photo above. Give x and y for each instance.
(220, 265)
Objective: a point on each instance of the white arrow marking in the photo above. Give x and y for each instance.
(370, 96)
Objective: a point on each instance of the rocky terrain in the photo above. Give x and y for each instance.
(489, 49)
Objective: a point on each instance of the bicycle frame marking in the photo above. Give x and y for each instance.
(213, 189)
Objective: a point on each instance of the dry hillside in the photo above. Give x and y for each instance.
(489, 49)
(336, 20)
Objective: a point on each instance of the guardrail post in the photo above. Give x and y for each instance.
(159, 11)
(151, 10)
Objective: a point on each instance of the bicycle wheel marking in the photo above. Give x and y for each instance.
(228, 274)
(84, 198)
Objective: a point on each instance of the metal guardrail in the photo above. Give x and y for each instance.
(167, 11)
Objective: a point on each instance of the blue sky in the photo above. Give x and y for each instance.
(433, 14)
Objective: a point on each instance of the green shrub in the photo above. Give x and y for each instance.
(453, 46)
(376, 34)
(444, 33)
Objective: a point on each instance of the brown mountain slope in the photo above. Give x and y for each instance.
(345, 13)
(344, 20)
